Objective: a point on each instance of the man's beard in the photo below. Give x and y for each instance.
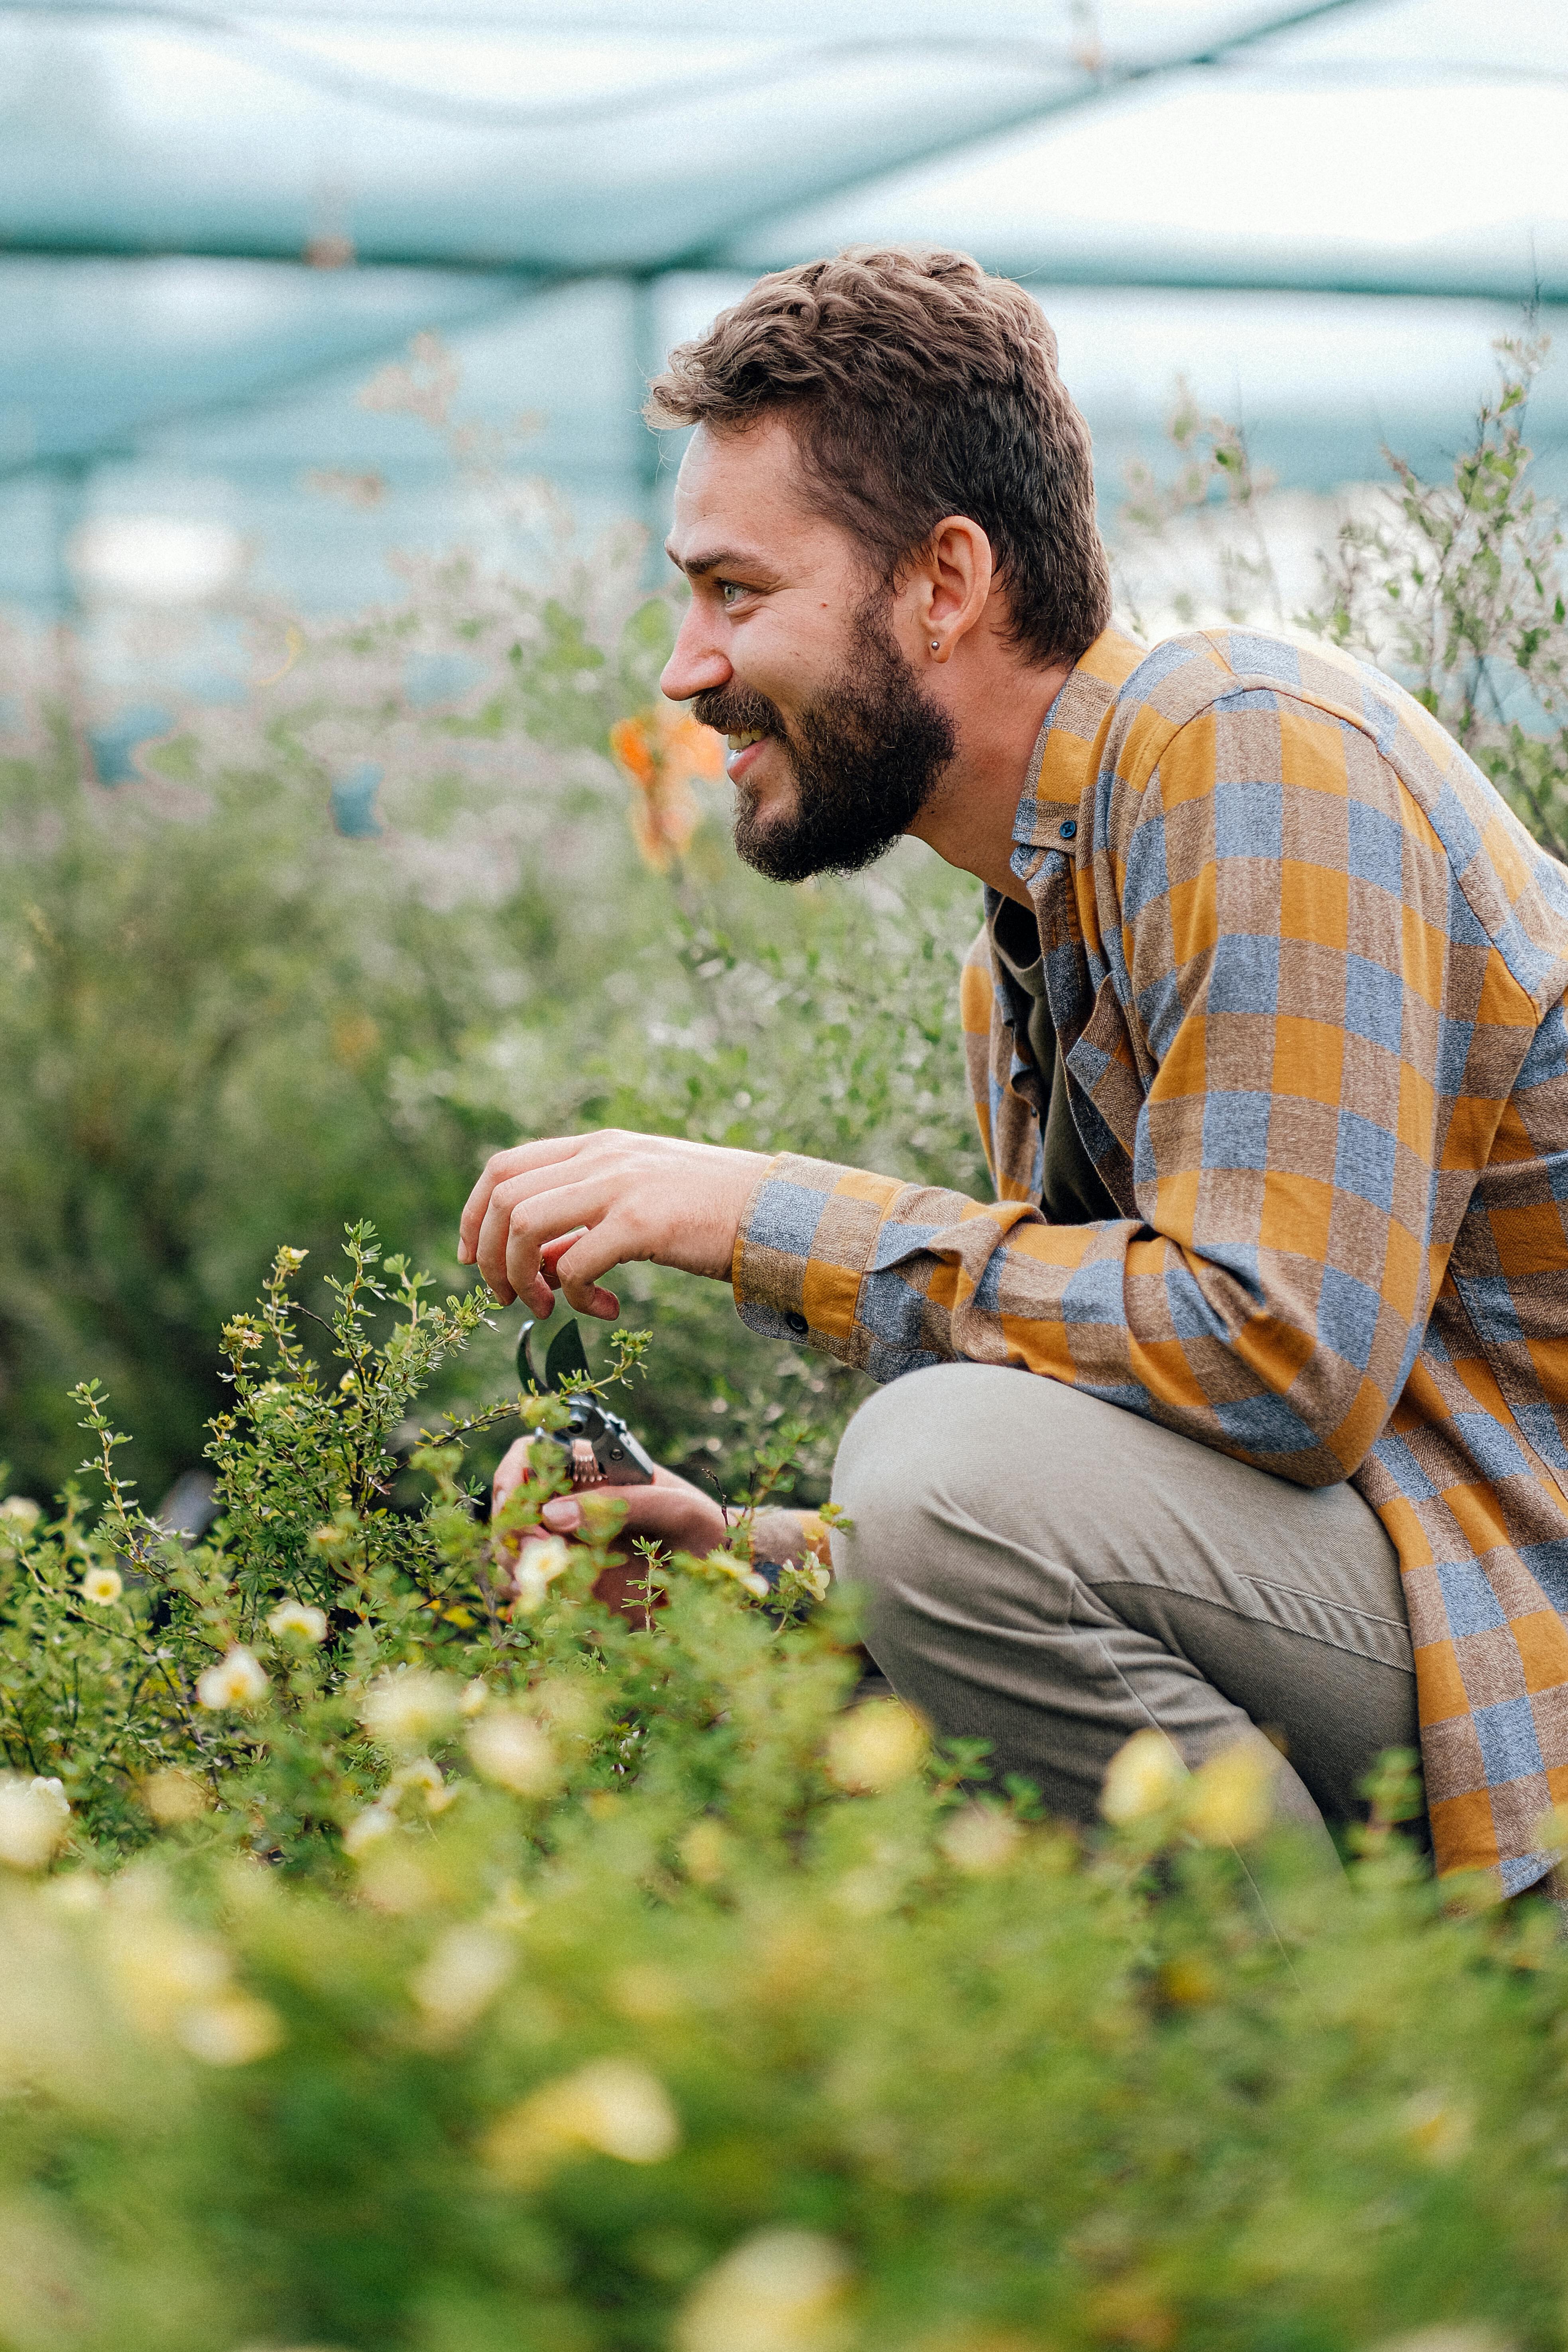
(867, 755)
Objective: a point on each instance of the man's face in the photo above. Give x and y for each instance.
(792, 650)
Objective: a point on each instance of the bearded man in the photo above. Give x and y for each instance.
(1244, 1403)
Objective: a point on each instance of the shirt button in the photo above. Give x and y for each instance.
(797, 1324)
(1069, 829)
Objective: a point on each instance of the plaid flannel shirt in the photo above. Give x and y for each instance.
(1306, 974)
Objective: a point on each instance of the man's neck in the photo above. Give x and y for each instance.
(998, 708)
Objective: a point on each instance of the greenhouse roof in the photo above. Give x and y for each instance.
(1386, 144)
(206, 213)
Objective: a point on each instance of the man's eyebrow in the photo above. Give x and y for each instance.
(722, 559)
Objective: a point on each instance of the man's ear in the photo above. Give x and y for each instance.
(952, 580)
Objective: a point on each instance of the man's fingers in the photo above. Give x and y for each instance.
(502, 1165)
(516, 1229)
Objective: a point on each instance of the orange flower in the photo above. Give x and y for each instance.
(662, 752)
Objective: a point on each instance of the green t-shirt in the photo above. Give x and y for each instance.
(1071, 1192)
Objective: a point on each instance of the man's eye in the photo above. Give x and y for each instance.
(731, 591)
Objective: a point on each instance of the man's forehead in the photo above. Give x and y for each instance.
(738, 497)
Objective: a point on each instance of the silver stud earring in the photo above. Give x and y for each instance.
(936, 645)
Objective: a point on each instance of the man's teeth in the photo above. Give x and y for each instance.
(740, 742)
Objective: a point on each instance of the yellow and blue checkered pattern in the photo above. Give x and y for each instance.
(1307, 973)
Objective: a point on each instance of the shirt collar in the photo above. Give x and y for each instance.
(1058, 765)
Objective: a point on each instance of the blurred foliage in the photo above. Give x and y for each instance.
(337, 945)
(399, 1953)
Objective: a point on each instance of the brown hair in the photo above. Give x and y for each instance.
(916, 386)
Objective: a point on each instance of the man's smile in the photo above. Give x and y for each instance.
(743, 753)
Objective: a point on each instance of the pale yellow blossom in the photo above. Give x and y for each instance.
(461, 1975)
(779, 2291)
(979, 1840)
(34, 1817)
(238, 1680)
(705, 1853)
(538, 1567)
(1143, 1777)
(19, 1514)
(420, 1773)
(234, 2030)
(874, 1746)
(376, 1822)
(1230, 1799)
(612, 2106)
(172, 1796)
(301, 1618)
(1438, 2126)
(408, 1709)
(473, 1698)
(102, 1585)
(511, 1748)
(744, 1574)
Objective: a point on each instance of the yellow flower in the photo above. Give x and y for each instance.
(874, 1746)
(1142, 1777)
(35, 1816)
(1231, 1797)
(612, 2106)
(299, 1617)
(661, 753)
(101, 1585)
(236, 1681)
(780, 2290)
(406, 1710)
(511, 1748)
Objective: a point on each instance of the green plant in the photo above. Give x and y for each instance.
(402, 1950)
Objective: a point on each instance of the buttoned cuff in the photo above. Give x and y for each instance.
(807, 1235)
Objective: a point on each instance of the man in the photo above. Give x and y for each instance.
(1245, 1402)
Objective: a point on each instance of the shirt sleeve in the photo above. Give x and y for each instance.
(1286, 968)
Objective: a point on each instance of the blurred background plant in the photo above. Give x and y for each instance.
(450, 873)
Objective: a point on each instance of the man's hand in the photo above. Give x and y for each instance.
(556, 1216)
(671, 1511)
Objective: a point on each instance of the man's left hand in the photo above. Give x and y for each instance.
(555, 1215)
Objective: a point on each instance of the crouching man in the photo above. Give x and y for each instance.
(1246, 1401)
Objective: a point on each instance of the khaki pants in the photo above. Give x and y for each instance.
(1051, 1573)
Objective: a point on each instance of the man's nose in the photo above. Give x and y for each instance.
(695, 666)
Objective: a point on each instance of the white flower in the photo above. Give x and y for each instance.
(612, 2106)
(539, 1565)
(102, 1585)
(408, 1709)
(512, 1749)
(1142, 1777)
(779, 2291)
(172, 1796)
(237, 1680)
(301, 1618)
(473, 1698)
(35, 1816)
(20, 1511)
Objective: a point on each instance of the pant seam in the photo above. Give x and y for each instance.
(1296, 1632)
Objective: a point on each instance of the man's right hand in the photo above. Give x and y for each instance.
(672, 1511)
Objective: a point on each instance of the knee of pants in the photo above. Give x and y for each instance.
(914, 1470)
